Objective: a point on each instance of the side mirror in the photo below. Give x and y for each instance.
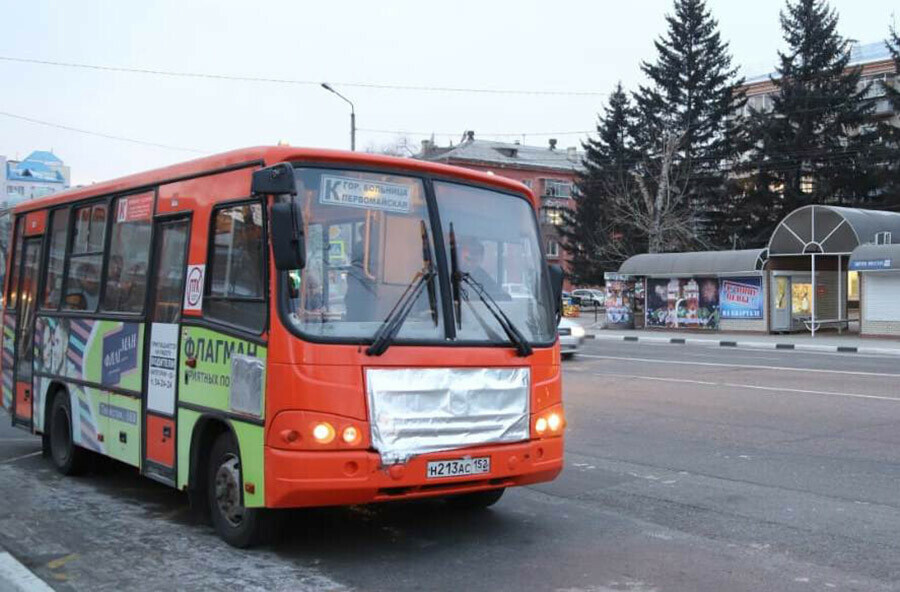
(274, 180)
(288, 242)
(556, 282)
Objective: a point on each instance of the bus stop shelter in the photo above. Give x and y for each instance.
(810, 249)
(701, 290)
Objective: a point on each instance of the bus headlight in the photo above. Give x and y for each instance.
(554, 422)
(323, 433)
(549, 423)
(351, 435)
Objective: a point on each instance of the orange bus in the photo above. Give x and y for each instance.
(283, 327)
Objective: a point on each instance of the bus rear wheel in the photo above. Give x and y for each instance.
(68, 458)
(476, 501)
(238, 526)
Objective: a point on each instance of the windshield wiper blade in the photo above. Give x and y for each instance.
(455, 278)
(394, 320)
(523, 348)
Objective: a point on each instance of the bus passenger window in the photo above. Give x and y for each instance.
(236, 293)
(129, 253)
(12, 300)
(59, 227)
(86, 261)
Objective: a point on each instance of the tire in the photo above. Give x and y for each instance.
(476, 501)
(67, 457)
(238, 526)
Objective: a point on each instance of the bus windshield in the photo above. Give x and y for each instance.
(369, 238)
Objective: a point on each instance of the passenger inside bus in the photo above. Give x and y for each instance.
(84, 293)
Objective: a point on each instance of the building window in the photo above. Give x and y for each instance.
(528, 183)
(555, 188)
(552, 216)
(552, 248)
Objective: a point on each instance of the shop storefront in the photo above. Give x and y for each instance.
(878, 267)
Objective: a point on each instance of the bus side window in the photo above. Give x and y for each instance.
(236, 292)
(129, 254)
(59, 231)
(86, 261)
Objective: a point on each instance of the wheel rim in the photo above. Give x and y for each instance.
(228, 490)
(61, 439)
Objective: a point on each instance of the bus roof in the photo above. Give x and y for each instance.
(267, 156)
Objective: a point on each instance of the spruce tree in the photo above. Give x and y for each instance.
(596, 241)
(818, 144)
(692, 95)
(890, 132)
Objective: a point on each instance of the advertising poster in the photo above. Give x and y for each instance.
(741, 298)
(683, 303)
(619, 301)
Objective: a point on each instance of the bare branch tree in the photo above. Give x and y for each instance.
(657, 204)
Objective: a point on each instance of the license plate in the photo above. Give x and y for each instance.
(460, 467)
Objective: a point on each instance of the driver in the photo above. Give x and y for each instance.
(472, 262)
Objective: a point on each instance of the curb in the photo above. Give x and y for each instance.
(841, 349)
(16, 577)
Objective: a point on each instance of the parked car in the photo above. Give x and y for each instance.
(589, 297)
(571, 336)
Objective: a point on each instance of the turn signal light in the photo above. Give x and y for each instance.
(323, 433)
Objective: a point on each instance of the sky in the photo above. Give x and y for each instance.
(564, 46)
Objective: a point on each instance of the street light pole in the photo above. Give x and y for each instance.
(328, 87)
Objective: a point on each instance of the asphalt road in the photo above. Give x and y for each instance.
(688, 468)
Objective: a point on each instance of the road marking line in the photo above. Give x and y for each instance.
(19, 577)
(751, 366)
(61, 561)
(15, 458)
(749, 386)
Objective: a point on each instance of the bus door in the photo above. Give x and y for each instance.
(166, 296)
(24, 357)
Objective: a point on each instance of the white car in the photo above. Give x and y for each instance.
(589, 297)
(571, 336)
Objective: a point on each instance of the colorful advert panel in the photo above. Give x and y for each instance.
(8, 359)
(741, 298)
(102, 353)
(683, 303)
(619, 301)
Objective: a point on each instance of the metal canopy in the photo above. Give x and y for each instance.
(875, 258)
(696, 263)
(829, 230)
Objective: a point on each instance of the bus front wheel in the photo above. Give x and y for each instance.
(68, 458)
(477, 500)
(239, 526)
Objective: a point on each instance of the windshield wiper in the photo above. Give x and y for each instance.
(394, 320)
(457, 277)
(523, 348)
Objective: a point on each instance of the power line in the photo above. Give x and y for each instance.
(370, 85)
(456, 133)
(99, 134)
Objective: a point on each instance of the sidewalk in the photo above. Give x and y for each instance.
(827, 342)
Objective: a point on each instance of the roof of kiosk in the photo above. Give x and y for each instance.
(830, 230)
(875, 258)
(695, 263)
